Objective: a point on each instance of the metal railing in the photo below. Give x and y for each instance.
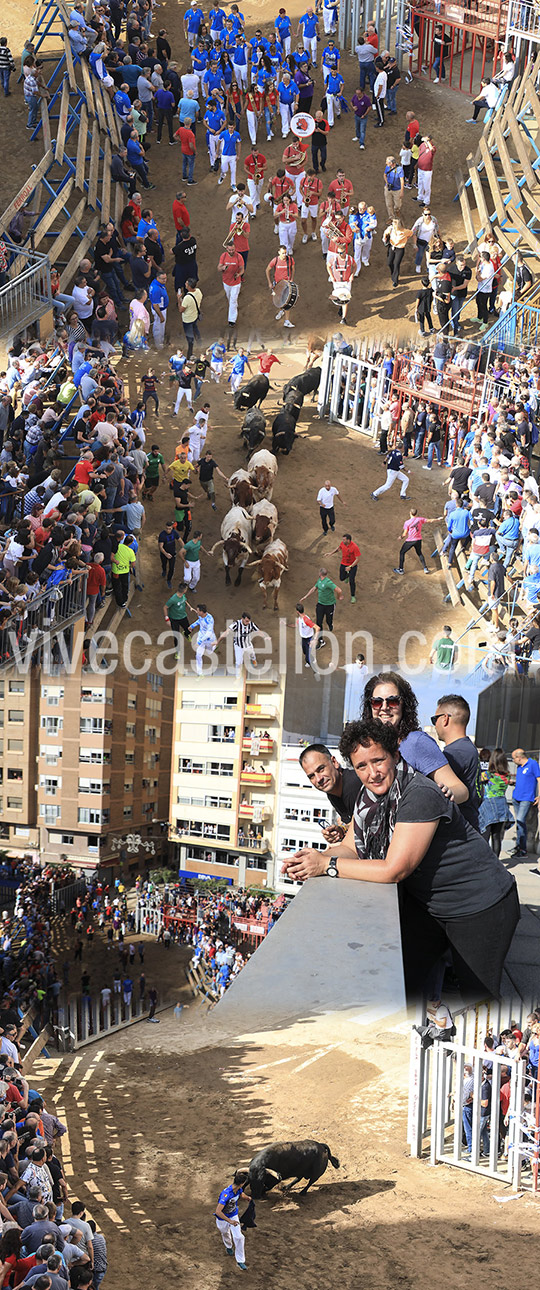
(518, 327)
(523, 20)
(43, 617)
(28, 293)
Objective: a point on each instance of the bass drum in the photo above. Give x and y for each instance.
(285, 295)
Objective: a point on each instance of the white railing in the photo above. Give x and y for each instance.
(351, 390)
(523, 20)
(27, 295)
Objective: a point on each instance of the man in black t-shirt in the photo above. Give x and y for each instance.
(451, 718)
(341, 786)
(486, 491)
(206, 468)
(460, 275)
(167, 546)
(459, 477)
(185, 256)
(104, 258)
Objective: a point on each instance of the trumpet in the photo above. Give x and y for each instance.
(332, 231)
(235, 229)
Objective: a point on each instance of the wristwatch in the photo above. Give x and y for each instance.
(332, 869)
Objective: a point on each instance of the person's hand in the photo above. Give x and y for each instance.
(306, 863)
(334, 833)
(447, 792)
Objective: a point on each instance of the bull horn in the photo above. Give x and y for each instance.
(215, 546)
(273, 1173)
(252, 563)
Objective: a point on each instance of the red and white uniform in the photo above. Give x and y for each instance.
(255, 166)
(287, 215)
(426, 153)
(337, 244)
(233, 266)
(341, 190)
(241, 239)
(341, 275)
(310, 189)
(253, 104)
(295, 165)
(282, 270)
(278, 188)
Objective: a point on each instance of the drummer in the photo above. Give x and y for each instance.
(280, 269)
(294, 160)
(340, 272)
(310, 189)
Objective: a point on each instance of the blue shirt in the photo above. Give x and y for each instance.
(239, 55)
(283, 25)
(239, 365)
(526, 777)
(509, 528)
(122, 103)
(228, 1199)
(532, 553)
(214, 80)
(287, 93)
(395, 460)
(238, 21)
(134, 152)
(215, 120)
(199, 58)
(218, 353)
(83, 370)
(229, 142)
(308, 22)
(194, 17)
(422, 753)
(188, 109)
(334, 84)
(176, 363)
(144, 226)
(164, 100)
(217, 19)
(459, 522)
(157, 294)
(331, 57)
(394, 175)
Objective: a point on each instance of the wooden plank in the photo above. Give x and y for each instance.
(69, 63)
(533, 204)
(527, 234)
(26, 191)
(78, 254)
(534, 102)
(98, 96)
(62, 124)
(82, 144)
(46, 125)
(51, 215)
(466, 211)
(480, 200)
(492, 180)
(505, 243)
(508, 170)
(106, 182)
(119, 203)
(94, 164)
(112, 121)
(518, 140)
(453, 591)
(88, 90)
(68, 230)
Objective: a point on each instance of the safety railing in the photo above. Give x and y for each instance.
(51, 612)
(517, 328)
(27, 294)
(523, 20)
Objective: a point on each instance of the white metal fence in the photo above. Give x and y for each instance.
(351, 390)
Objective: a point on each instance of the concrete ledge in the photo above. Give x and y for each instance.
(337, 948)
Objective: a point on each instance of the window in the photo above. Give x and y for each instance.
(50, 784)
(20, 831)
(230, 701)
(151, 733)
(223, 803)
(89, 815)
(130, 759)
(16, 687)
(95, 694)
(222, 734)
(49, 813)
(14, 804)
(16, 714)
(50, 750)
(130, 728)
(51, 725)
(128, 786)
(254, 862)
(14, 773)
(155, 681)
(93, 786)
(221, 767)
(97, 756)
(189, 767)
(128, 812)
(15, 745)
(67, 839)
(291, 813)
(132, 701)
(153, 707)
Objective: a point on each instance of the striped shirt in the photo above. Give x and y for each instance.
(242, 632)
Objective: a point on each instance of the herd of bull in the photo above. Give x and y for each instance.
(250, 525)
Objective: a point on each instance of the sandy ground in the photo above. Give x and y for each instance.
(385, 606)
(174, 1109)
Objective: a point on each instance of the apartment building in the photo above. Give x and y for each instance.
(85, 764)
(226, 751)
(302, 812)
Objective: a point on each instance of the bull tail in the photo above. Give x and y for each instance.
(333, 1159)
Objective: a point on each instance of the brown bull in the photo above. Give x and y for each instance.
(273, 564)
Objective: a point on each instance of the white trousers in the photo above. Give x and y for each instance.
(205, 647)
(181, 394)
(195, 444)
(332, 106)
(329, 19)
(240, 74)
(236, 381)
(391, 476)
(424, 185)
(232, 293)
(232, 1235)
(362, 252)
(252, 123)
(229, 164)
(242, 653)
(310, 44)
(158, 329)
(324, 241)
(213, 144)
(216, 370)
(254, 189)
(286, 42)
(287, 234)
(286, 117)
(192, 573)
(296, 179)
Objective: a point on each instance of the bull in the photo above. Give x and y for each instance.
(252, 394)
(262, 468)
(253, 429)
(283, 432)
(294, 1160)
(264, 519)
(306, 382)
(235, 537)
(241, 489)
(274, 561)
(293, 403)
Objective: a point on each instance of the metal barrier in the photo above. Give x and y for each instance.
(28, 294)
(63, 898)
(519, 327)
(523, 20)
(85, 1017)
(43, 618)
(469, 1117)
(351, 390)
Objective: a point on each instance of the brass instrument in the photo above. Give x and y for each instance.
(332, 231)
(235, 229)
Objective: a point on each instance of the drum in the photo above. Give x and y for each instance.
(285, 295)
(341, 293)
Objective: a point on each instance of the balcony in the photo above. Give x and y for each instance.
(27, 294)
(258, 843)
(259, 712)
(45, 617)
(192, 829)
(256, 778)
(524, 19)
(246, 811)
(257, 746)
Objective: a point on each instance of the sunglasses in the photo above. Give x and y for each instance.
(437, 717)
(393, 701)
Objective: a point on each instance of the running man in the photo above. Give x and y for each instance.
(238, 366)
(205, 642)
(412, 532)
(394, 464)
(350, 555)
(327, 594)
(228, 1222)
(243, 630)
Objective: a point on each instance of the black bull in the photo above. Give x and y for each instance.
(283, 432)
(294, 1160)
(306, 382)
(254, 392)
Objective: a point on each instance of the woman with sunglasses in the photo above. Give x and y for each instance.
(454, 894)
(389, 697)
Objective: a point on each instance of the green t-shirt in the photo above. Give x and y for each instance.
(326, 591)
(123, 559)
(155, 460)
(177, 607)
(445, 653)
(193, 550)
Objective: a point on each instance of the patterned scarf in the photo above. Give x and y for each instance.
(375, 817)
